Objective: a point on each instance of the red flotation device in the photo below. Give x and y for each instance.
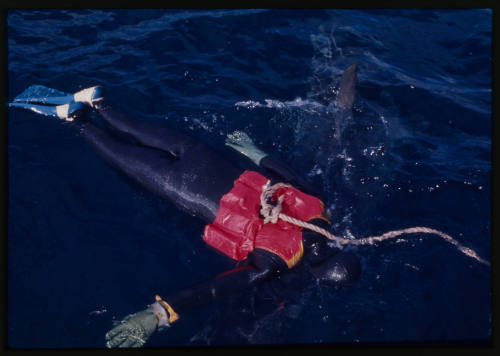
(238, 229)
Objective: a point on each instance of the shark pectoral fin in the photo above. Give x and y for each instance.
(347, 88)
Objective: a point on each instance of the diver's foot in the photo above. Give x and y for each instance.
(89, 96)
(71, 111)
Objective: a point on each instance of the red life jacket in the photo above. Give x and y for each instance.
(238, 229)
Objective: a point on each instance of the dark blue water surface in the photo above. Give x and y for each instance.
(86, 247)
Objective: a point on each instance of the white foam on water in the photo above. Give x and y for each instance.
(306, 105)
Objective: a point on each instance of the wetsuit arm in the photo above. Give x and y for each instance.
(260, 265)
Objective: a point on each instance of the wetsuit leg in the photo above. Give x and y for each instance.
(262, 265)
(146, 166)
(156, 137)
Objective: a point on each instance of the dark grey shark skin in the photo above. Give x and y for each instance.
(347, 88)
(344, 101)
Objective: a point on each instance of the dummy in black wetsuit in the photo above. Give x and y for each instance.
(195, 177)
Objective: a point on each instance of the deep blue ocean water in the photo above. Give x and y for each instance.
(86, 247)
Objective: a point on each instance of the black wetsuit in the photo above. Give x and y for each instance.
(195, 177)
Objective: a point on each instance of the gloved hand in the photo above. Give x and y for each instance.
(133, 331)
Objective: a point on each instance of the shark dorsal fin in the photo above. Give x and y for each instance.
(347, 88)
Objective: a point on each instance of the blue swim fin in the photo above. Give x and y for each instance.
(39, 94)
(43, 95)
(65, 112)
(55, 103)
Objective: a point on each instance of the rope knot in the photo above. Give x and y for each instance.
(271, 212)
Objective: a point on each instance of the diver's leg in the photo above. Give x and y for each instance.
(262, 265)
(156, 137)
(148, 167)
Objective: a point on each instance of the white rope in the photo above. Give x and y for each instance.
(272, 213)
